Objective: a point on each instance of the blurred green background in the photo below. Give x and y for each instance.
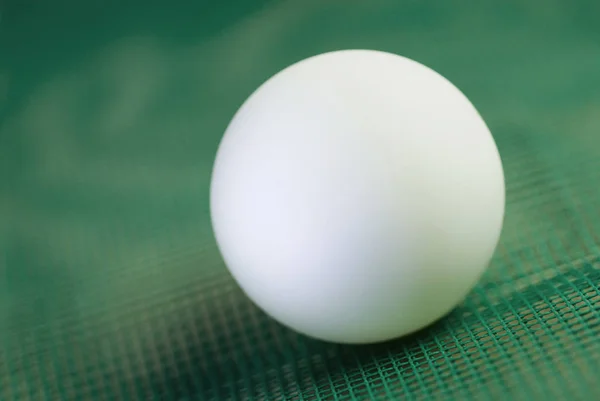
(111, 287)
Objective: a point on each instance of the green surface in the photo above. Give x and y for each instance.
(111, 287)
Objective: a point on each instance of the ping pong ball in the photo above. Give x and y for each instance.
(357, 196)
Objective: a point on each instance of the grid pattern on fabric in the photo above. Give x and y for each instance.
(111, 287)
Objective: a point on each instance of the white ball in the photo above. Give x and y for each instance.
(357, 196)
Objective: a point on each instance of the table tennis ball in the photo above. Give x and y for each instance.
(357, 196)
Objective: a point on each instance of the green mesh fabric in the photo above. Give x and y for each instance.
(111, 287)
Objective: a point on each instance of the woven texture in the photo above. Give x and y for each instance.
(111, 287)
